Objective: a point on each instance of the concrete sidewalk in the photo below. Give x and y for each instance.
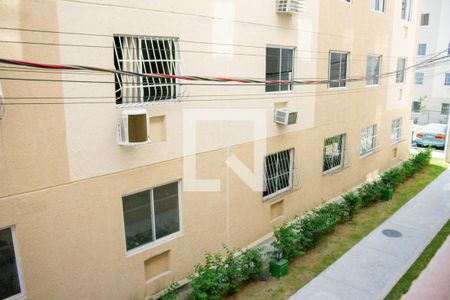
(373, 266)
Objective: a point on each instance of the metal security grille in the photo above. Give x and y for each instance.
(333, 153)
(396, 130)
(144, 54)
(368, 140)
(278, 172)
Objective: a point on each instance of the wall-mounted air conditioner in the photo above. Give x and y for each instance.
(2, 101)
(134, 129)
(290, 6)
(285, 116)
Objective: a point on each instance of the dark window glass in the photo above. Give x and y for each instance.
(278, 168)
(279, 66)
(151, 215)
(9, 274)
(338, 69)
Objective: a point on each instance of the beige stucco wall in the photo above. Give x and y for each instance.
(62, 181)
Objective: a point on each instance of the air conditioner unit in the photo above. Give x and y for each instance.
(2, 101)
(290, 6)
(134, 129)
(285, 116)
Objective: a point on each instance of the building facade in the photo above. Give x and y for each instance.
(84, 217)
(432, 83)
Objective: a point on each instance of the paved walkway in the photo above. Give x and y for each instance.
(373, 266)
(434, 281)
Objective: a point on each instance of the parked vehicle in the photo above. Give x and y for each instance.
(432, 135)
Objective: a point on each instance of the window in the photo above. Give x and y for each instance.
(416, 106)
(401, 65)
(378, 5)
(406, 10)
(445, 109)
(424, 19)
(10, 281)
(447, 79)
(419, 77)
(373, 70)
(143, 54)
(151, 215)
(368, 140)
(422, 49)
(333, 153)
(338, 69)
(279, 66)
(278, 173)
(396, 133)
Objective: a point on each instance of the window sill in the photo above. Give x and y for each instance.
(334, 170)
(378, 12)
(338, 88)
(16, 297)
(371, 85)
(275, 196)
(148, 103)
(279, 92)
(398, 141)
(154, 244)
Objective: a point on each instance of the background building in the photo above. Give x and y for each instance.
(82, 217)
(432, 83)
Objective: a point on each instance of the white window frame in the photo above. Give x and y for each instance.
(21, 295)
(421, 49)
(402, 71)
(342, 154)
(158, 242)
(346, 69)
(408, 10)
(379, 57)
(422, 18)
(378, 6)
(447, 79)
(291, 173)
(139, 81)
(442, 108)
(419, 77)
(367, 139)
(396, 130)
(291, 86)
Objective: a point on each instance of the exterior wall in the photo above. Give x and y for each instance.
(63, 180)
(437, 37)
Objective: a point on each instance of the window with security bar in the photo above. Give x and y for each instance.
(396, 133)
(333, 153)
(143, 54)
(338, 69)
(368, 140)
(401, 66)
(278, 173)
(373, 70)
(445, 109)
(279, 66)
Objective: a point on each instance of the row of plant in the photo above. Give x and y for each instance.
(303, 233)
(223, 275)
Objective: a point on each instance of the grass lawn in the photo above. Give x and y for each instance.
(334, 245)
(405, 282)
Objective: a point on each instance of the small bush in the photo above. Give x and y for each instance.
(220, 276)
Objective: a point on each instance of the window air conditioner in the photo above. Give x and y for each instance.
(285, 116)
(290, 6)
(134, 129)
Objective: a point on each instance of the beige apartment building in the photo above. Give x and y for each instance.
(91, 208)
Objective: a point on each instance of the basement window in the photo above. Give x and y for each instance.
(143, 54)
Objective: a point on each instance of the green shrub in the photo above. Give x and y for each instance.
(351, 202)
(290, 241)
(171, 293)
(220, 276)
